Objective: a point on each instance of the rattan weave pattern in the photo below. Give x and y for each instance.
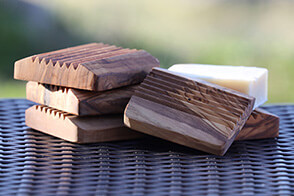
(32, 163)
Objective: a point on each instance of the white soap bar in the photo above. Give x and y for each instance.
(249, 80)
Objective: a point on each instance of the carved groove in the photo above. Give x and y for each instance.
(96, 67)
(52, 111)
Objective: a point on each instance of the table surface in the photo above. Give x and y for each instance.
(33, 163)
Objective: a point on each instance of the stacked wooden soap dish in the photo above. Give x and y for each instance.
(83, 92)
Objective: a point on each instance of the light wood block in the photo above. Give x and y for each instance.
(260, 125)
(80, 102)
(76, 128)
(95, 67)
(190, 112)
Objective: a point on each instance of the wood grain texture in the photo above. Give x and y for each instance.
(80, 102)
(110, 127)
(95, 67)
(76, 128)
(260, 125)
(190, 112)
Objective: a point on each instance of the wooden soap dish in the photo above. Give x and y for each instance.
(260, 125)
(190, 112)
(78, 129)
(80, 102)
(96, 67)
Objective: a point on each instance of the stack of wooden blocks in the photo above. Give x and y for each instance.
(98, 92)
(83, 90)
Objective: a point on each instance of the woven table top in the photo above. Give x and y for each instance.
(33, 163)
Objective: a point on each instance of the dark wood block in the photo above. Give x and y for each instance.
(76, 128)
(190, 112)
(80, 102)
(260, 125)
(95, 67)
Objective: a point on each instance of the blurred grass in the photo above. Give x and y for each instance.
(12, 89)
(246, 33)
(22, 33)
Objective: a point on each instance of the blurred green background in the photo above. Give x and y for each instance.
(245, 32)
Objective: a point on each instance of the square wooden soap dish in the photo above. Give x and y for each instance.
(80, 102)
(78, 129)
(94, 67)
(190, 112)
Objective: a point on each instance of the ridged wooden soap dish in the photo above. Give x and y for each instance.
(190, 112)
(95, 67)
(78, 129)
(80, 102)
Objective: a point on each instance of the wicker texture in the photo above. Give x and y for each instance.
(32, 163)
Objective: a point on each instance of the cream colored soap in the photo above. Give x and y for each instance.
(249, 80)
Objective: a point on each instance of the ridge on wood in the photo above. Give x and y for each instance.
(95, 67)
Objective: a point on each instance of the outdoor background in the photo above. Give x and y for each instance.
(228, 32)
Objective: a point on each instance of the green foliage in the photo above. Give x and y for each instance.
(13, 40)
(246, 33)
(12, 89)
(22, 35)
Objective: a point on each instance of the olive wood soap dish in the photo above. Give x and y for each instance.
(95, 67)
(190, 112)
